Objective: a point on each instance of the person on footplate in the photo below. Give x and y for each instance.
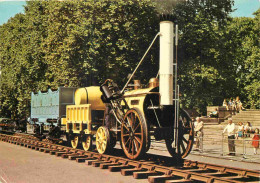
(230, 128)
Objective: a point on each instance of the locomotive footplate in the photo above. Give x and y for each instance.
(161, 133)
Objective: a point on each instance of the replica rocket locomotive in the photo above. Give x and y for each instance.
(103, 115)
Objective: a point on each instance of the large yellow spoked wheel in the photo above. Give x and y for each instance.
(87, 143)
(74, 142)
(185, 137)
(134, 134)
(102, 139)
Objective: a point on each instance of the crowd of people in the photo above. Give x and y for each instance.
(233, 104)
(233, 133)
(242, 131)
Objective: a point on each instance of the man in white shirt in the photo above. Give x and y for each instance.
(230, 128)
(198, 128)
(195, 122)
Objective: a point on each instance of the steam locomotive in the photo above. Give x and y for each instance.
(103, 115)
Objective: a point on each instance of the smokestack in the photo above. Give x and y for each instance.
(166, 60)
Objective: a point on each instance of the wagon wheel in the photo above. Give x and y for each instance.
(87, 143)
(185, 137)
(74, 142)
(134, 134)
(102, 140)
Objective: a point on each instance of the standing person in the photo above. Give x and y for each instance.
(195, 122)
(255, 140)
(199, 133)
(230, 128)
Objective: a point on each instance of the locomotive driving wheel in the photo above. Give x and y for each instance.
(74, 142)
(102, 139)
(87, 143)
(185, 137)
(134, 134)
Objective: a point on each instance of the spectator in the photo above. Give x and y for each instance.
(199, 133)
(193, 121)
(234, 106)
(230, 104)
(247, 129)
(225, 104)
(214, 114)
(230, 128)
(255, 140)
(239, 104)
(240, 130)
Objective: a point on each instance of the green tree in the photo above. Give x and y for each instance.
(74, 43)
(244, 52)
(201, 79)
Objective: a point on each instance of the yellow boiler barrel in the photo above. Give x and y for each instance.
(90, 95)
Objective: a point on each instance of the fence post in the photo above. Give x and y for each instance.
(243, 147)
(201, 142)
(222, 148)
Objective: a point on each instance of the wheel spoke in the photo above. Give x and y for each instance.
(136, 145)
(136, 127)
(185, 140)
(127, 140)
(129, 147)
(125, 127)
(132, 119)
(138, 140)
(138, 134)
(132, 147)
(183, 147)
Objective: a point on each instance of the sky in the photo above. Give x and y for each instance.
(9, 8)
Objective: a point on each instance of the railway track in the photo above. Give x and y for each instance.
(154, 168)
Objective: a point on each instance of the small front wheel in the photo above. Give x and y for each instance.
(102, 140)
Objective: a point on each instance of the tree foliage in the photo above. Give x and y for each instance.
(241, 50)
(201, 76)
(81, 43)
(74, 43)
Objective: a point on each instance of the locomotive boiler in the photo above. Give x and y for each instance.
(103, 115)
